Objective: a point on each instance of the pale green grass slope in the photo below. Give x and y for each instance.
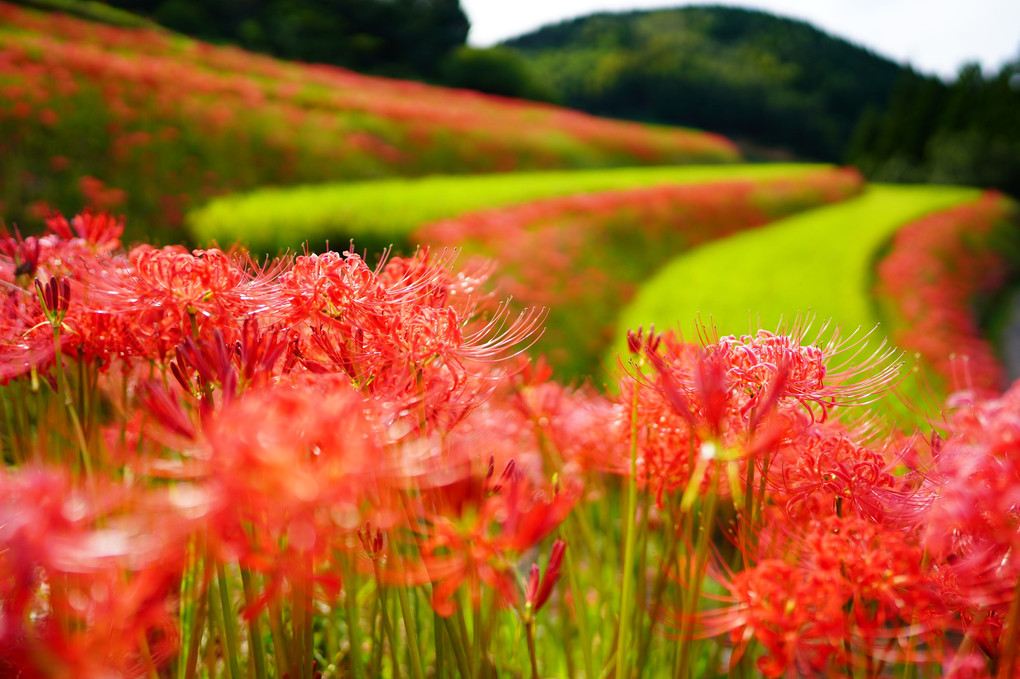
(818, 263)
(388, 211)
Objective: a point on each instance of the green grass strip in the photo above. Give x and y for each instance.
(817, 263)
(271, 220)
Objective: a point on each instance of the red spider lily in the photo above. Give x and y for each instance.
(100, 230)
(19, 255)
(88, 578)
(845, 593)
(795, 614)
(481, 544)
(540, 588)
(170, 293)
(705, 408)
(406, 332)
(56, 298)
(822, 469)
(287, 475)
(973, 525)
(936, 270)
(734, 383)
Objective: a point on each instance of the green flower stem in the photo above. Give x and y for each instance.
(457, 636)
(529, 632)
(658, 590)
(375, 660)
(387, 626)
(198, 595)
(630, 525)
(228, 623)
(417, 670)
(254, 628)
(72, 411)
(281, 644)
(353, 619)
(477, 648)
(581, 614)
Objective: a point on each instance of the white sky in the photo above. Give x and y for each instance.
(936, 36)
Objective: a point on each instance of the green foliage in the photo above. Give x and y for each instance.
(495, 70)
(377, 214)
(966, 132)
(816, 264)
(87, 9)
(746, 74)
(391, 37)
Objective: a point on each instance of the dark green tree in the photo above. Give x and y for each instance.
(408, 38)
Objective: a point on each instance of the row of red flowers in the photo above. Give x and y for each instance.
(212, 465)
(938, 275)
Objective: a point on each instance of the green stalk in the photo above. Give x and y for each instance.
(529, 632)
(216, 619)
(72, 411)
(440, 644)
(353, 622)
(307, 651)
(186, 617)
(642, 593)
(412, 635)
(281, 644)
(17, 449)
(228, 624)
(630, 520)
(476, 641)
(582, 617)
(644, 642)
(456, 638)
(254, 628)
(375, 660)
(691, 599)
(200, 600)
(391, 637)
(296, 651)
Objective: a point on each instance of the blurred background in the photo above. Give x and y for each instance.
(904, 90)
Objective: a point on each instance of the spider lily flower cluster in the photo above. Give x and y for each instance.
(314, 467)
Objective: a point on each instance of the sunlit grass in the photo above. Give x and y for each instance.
(816, 264)
(379, 213)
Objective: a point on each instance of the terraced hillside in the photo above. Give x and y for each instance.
(149, 124)
(575, 243)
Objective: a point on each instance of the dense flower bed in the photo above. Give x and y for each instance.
(935, 280)
(213, 468)
(157, 123)
(583, 256)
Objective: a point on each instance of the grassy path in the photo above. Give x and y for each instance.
(815, 263)
(273, 219)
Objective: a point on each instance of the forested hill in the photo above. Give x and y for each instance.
(753, 76)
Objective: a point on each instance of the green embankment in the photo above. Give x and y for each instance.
(378, 213)
(815, 264)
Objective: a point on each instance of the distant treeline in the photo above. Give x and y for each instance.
(966, 132)
(402, 38)
(775, 83)
(758, 78)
